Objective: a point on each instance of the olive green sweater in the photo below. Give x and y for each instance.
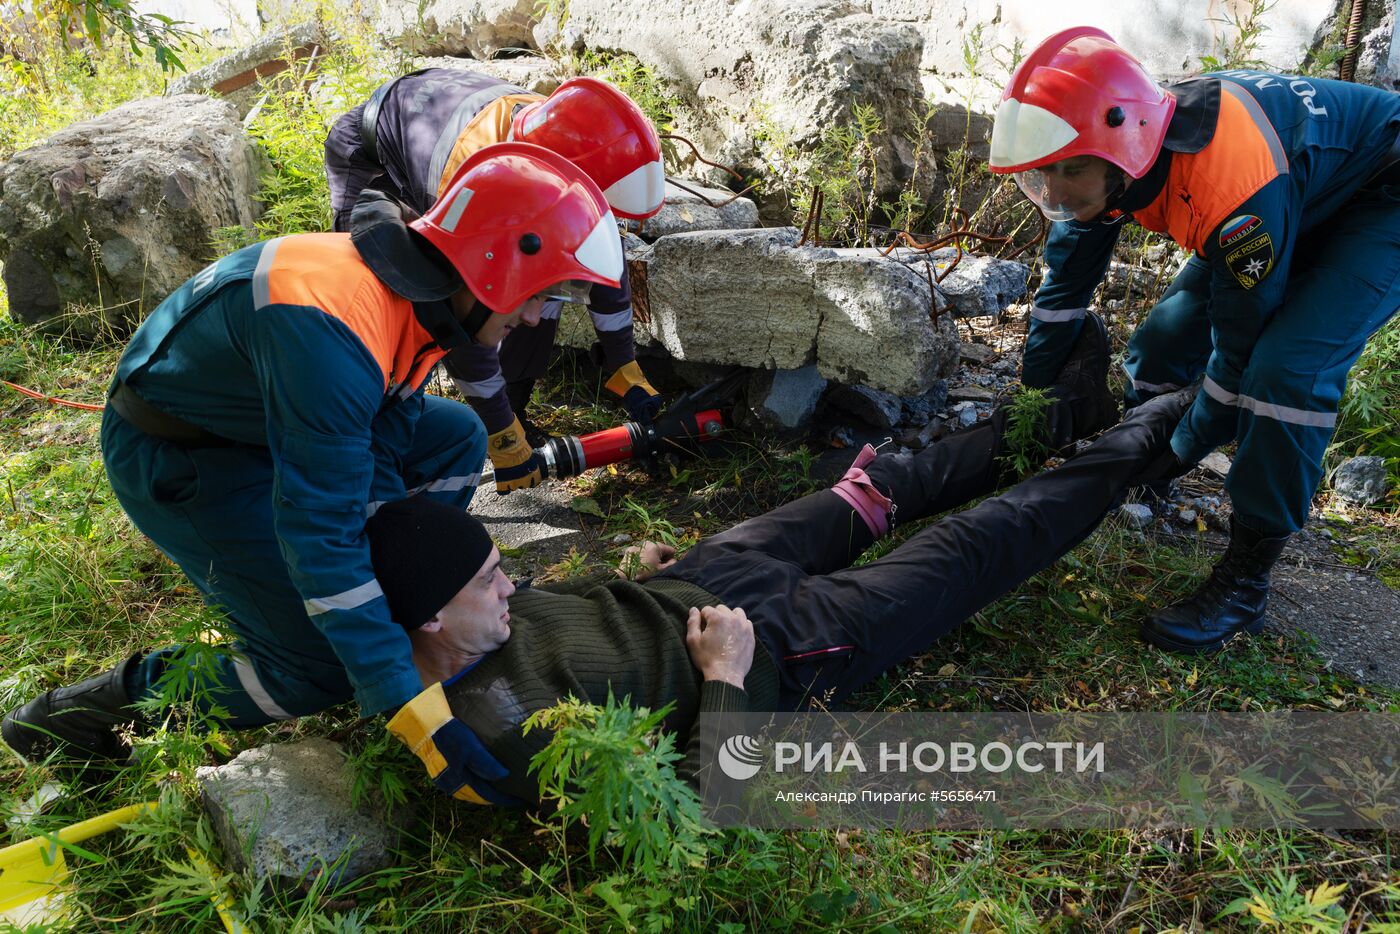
(582, 639)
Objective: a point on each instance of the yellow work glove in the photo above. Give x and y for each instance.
(455, 758)
(517, 465)
(643, 403)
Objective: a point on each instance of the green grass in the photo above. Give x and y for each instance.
(82, 588)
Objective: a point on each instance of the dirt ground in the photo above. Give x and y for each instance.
(1352, 614)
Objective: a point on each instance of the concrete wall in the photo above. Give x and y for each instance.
(1170, 37)
(233, 21)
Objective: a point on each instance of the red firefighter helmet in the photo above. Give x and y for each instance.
(602, 131)
(1078, 94)
(518, 220)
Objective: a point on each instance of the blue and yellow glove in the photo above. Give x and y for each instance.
(643, 403)
(455, 758)
(517, 465)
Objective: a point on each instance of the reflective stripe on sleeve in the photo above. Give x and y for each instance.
(1057, 314)
(1143, 385)
(1266, 128)
(448, 484)
(617, 321)
(482, 389)
(346, 600)
(262, 287)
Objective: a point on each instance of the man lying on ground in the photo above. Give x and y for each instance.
(768, 615)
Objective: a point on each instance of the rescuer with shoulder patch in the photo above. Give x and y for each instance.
(1278, 187)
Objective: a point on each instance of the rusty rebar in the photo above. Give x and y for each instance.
(641, 294)
(1039, 239)
(1353, 42)
(813, 225)
(932, 293)
(700, 158)
(713, 204)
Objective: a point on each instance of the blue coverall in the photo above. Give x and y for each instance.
(312, 372)
(428, 123)
(1274, 183)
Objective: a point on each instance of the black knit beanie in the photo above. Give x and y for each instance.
(424, 552)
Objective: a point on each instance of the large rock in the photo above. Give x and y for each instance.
(879, 409)
(235, 76)
(754, 298)
(977, 286)
(283, 812)
(696, 207)
(1362, 480)
(534, 73)
(1378, 60)
(117, 211)
(782, 400)
(774, 69)
(479, 28)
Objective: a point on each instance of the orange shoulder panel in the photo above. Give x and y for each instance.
(324, 271)
(490, 126)
(1203, 188)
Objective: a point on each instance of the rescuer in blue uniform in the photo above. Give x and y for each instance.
(409, 138)
(273, 402)
(1286, 193)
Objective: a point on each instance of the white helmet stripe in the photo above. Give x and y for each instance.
(533, 121)
(640, 191)
(1023, 133)
(453, 217)
(601, 251)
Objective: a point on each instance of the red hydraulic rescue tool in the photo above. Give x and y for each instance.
(678, 428)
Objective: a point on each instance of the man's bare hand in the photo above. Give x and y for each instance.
(640, 562)
(720, 641)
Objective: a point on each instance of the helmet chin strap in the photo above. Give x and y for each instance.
(1110, 206)
(477, 318)
(438, 319)
(1134, 194)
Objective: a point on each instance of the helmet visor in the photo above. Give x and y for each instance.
(575, 291)
(1071, 189)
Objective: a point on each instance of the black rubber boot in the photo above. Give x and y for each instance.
(1083, 381)
(518, 394)
(1231, 601)
(79, 722)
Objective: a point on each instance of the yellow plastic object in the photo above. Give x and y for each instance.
(223, 903)
(32, 872)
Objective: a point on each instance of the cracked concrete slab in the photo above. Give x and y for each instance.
(755, 298)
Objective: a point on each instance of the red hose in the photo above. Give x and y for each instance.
(85, 406)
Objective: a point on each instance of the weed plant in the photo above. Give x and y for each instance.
(296, 111)
(1369, 419)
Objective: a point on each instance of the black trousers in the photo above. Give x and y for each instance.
(831, 628)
